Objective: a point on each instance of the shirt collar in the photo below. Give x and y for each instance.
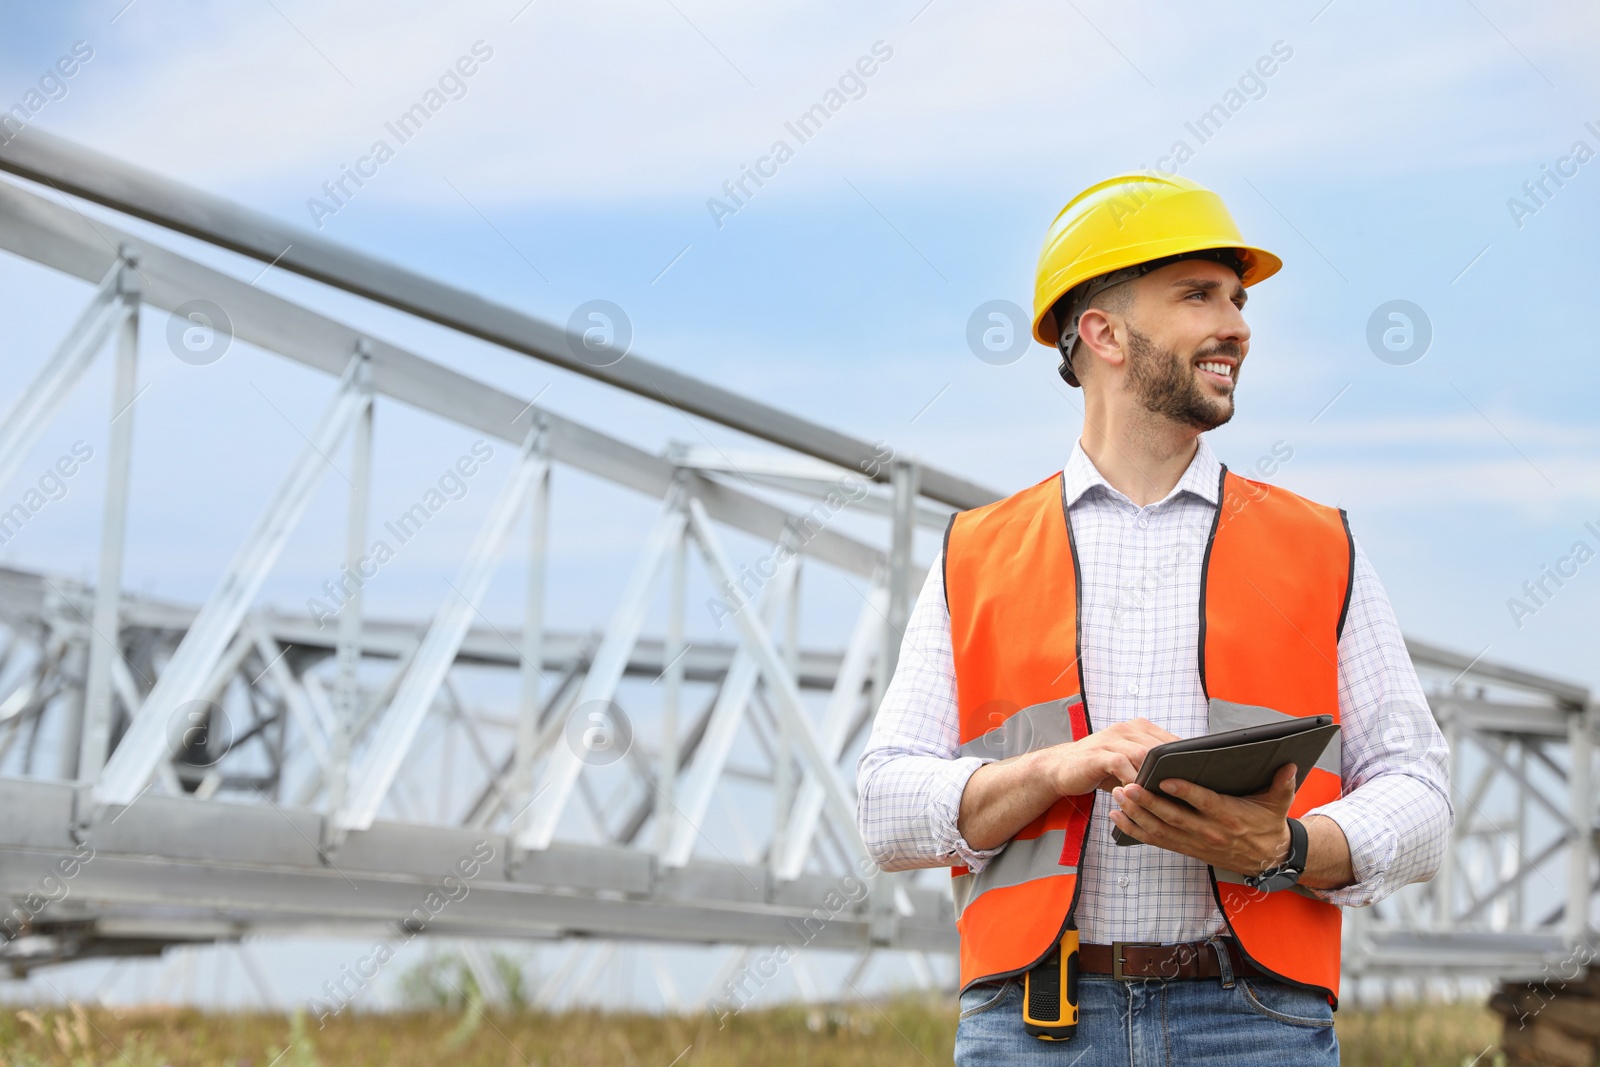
(1201, 478)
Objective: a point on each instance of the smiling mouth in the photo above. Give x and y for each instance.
(1216, 370)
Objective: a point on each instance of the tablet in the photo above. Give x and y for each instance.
(1237, 762)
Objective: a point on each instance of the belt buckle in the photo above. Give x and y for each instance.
(1117, 960)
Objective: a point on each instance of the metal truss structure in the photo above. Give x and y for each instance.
(177, 774)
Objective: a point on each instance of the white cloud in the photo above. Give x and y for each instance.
(635, 100)
(1420, 486)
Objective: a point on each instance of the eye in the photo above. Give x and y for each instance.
(1201, 293)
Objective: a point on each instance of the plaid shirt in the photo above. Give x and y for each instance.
(1140, 636)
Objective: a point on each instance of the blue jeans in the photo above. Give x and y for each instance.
(1146, 1022)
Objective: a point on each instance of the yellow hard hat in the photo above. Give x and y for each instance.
(1133, 219)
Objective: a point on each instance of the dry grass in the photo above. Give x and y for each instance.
(1420, 1036)
(904, 1033)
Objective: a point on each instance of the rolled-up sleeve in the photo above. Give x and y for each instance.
(1395, 812)
(910, 778)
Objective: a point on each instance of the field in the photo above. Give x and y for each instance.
(903, 1033)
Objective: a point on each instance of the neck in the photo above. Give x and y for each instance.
(1142, 455)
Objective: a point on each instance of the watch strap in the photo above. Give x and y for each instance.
(1299, 845)
(1288, 872)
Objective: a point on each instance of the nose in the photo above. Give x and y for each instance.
(1234, 328)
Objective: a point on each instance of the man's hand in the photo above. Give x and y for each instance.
(1001, 798)
(1246, 835)
(1104, 760)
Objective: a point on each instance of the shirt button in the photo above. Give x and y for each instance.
(1133, 689)
(1123, 881)
(1142, 521)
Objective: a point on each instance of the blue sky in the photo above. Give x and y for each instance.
(1377, 160)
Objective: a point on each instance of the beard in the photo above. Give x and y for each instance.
(1165, 383)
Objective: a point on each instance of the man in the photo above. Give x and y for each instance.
(1067, 630)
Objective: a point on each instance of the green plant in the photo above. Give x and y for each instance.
(445, 981)
(302, 1051)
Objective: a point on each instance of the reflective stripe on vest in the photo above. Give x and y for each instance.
(1223, 715)
(1018, 688)
(1026, 729)
(1274, 592)
(1021, 861)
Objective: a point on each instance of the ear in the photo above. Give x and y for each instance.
(1103, 334)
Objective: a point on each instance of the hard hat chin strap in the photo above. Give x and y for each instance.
(1072, 306)
(1075, 303)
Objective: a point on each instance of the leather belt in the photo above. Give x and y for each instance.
(1187, 959)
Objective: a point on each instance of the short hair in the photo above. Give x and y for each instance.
(1116, 299)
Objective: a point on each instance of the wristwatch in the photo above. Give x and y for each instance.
(1288, 872)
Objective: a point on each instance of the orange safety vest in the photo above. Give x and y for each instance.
(1274, 591)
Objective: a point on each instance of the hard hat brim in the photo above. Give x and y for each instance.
(1259, 265)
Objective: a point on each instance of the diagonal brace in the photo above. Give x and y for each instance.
(146, 744)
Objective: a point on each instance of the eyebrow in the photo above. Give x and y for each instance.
(1209, 284)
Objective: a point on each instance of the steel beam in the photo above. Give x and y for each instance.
(1580, 793)
(337, 768)
(905, 477)
(257, 868)
(105, 643)
(671, 695)
(531, 669)
(1569, 694)
(72, 168)
(800, 474)
(50, 387)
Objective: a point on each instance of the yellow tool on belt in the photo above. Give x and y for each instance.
(1050, 992)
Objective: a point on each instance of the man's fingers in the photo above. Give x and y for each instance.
(1121, 747)
(1148, 822)
(1117, 762)
(1123, 768)
(1196, 796)
(1171, 812)
(1121, 821)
